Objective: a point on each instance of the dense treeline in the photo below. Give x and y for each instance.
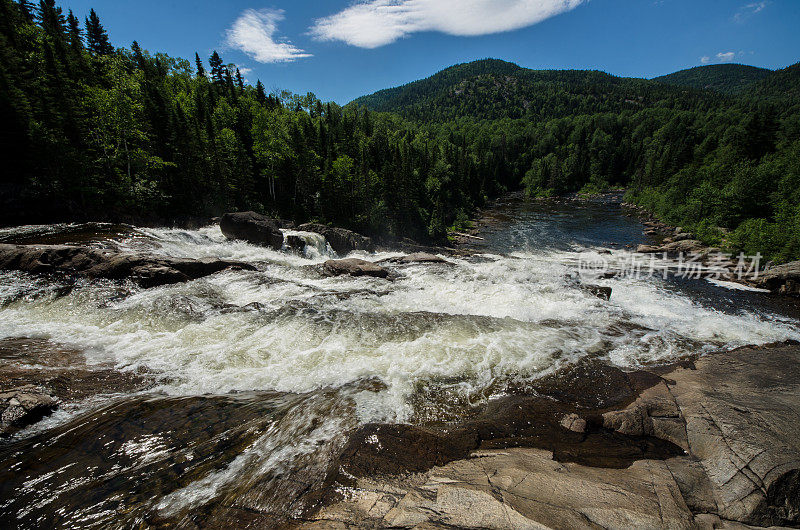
(725, 78)
(727, 167)
(94, 132)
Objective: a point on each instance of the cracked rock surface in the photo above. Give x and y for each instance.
(735, 414)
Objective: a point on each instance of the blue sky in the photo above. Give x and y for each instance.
(343, 49)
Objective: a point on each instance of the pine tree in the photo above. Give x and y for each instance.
(261, 94)
(217, 73)
(26, 9)
(75, 33)
(96, 36)
(201, 72)
(239, 80)
(52, 20)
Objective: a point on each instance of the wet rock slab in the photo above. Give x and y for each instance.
(146, 270)
(60, 372)
(713, 443)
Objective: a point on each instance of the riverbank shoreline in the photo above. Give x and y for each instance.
(615, 429)
(717, 437)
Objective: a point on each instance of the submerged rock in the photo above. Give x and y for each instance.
(342, 241)
(253, 228)
(353, 267)
(600, 291)
(146, 270)
(61, 371)
(23, 406)
(295, 243)
(416, 257)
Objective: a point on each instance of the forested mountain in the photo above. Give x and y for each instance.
(726, 166)
(493, 89)
(729, 79)
(96, 132)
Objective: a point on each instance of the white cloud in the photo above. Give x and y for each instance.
(748, 10)
(254, 34)
(721, 57)
(726, 57)
(374, 23)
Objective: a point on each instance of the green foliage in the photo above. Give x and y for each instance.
(729, 79)
(96, 132)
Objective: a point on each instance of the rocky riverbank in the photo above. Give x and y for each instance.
(674, 241)
(708, 443)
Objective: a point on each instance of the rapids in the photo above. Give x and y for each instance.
(259, 374)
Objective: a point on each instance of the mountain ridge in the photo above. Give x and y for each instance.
(731, 79)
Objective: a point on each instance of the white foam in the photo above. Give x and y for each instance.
(476, 321)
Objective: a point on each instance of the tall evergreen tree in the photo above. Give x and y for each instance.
(201, 72)
(75, 33)
(239, 80)
(261, 95)
(26, 8)
(217, 70)
(96, 37)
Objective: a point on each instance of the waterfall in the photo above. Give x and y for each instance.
(316, 246)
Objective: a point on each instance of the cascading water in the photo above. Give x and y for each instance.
(258, 374)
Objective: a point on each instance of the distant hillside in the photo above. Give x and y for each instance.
(724, 78)
(783, 84)
(495, 89)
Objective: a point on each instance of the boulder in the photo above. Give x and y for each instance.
(295, 243)
(253, 228)
(684, 245)
(147, 271)
(62, 371)
(675, 247)
(784, 279)
(342, 241)
(682, 236)
(24, 406)
(648, 249)
(573, 422)
(730, 422)
(353, 267)
(600, 291)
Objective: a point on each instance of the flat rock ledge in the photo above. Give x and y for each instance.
(146, 270)
(736, 415)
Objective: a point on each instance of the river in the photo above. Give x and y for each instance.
(257, 376)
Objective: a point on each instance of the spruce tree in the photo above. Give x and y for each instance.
(75, 33)
(217, 74)
(239, 80)
(26, 8)
(261, 94)
(201, 72)
(96, 36)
